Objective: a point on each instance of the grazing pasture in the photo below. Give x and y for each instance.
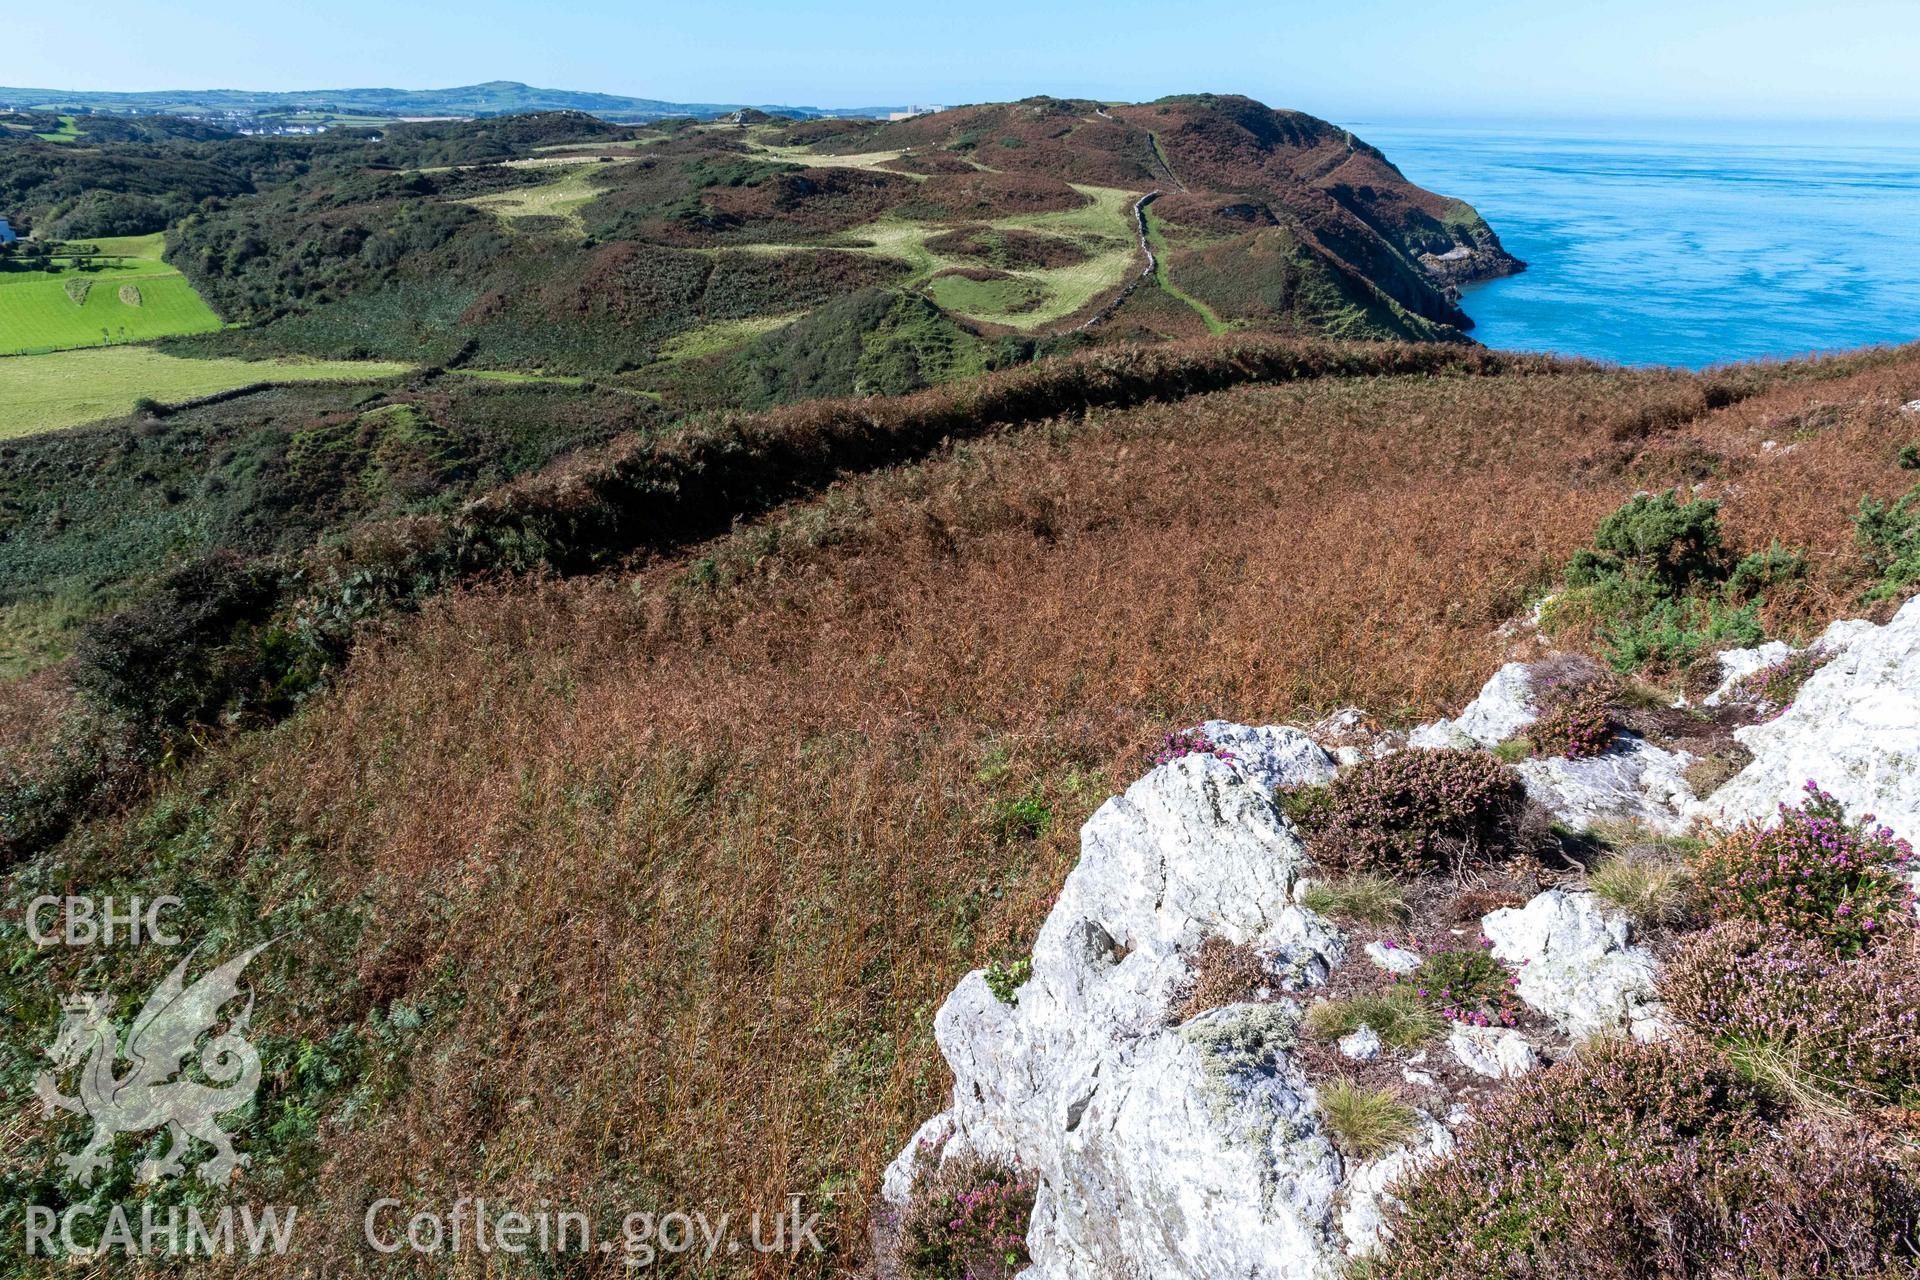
(68, 388)
(125, 293)
(1024, 298)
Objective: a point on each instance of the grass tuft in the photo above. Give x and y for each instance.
(1778, 1068)
(1366, 1122)
(1397, 1015)
(1358, 899)
(1653, 892)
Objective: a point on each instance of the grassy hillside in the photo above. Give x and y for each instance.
(557, 241)
(88, 518)
(710, 265)
(603, 254)
(645, 882)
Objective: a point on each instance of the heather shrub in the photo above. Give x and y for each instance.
(1187, 742)
(1813, 873)
(1466, 986)
(1775, 687)
(1643, 1161)
(1413, 810)
(1803, 1020)
(1575, 725)
(967, 1221)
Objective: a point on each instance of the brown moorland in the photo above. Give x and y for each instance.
(638, 890)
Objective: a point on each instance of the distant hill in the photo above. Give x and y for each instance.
(750, 261)
(495, 97)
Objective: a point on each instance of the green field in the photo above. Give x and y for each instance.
(69, 131)
(1010, 295)
(1103, 228)
(126, 295)
(68, 388)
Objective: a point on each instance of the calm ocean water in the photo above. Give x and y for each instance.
(1684, 245)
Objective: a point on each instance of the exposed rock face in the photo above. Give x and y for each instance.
(1197, 1151)
(1576, 965)
(1271, 755)
(1634, 781)
(1499, 1053)
(1392, 958)
(1464, 264)
(1503, 707)
(1362, 1046)
(1737, 664)
(1161, 1151)
(1854, 728)
(1364, 1222)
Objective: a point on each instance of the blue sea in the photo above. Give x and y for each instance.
(1684, 244)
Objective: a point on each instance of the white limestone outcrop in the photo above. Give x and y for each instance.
(1503, 707)
(1194, 1150)
(1634, 781)
(1160, 1150)
(1499, 1053)
(1576, 964)
(1854, 728)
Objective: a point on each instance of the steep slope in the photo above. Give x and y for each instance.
(646, 884)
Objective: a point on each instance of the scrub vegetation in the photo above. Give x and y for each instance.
(732, 786)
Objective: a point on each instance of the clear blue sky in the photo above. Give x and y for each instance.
(1349, 59)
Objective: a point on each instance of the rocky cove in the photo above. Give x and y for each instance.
(1160, 1140)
